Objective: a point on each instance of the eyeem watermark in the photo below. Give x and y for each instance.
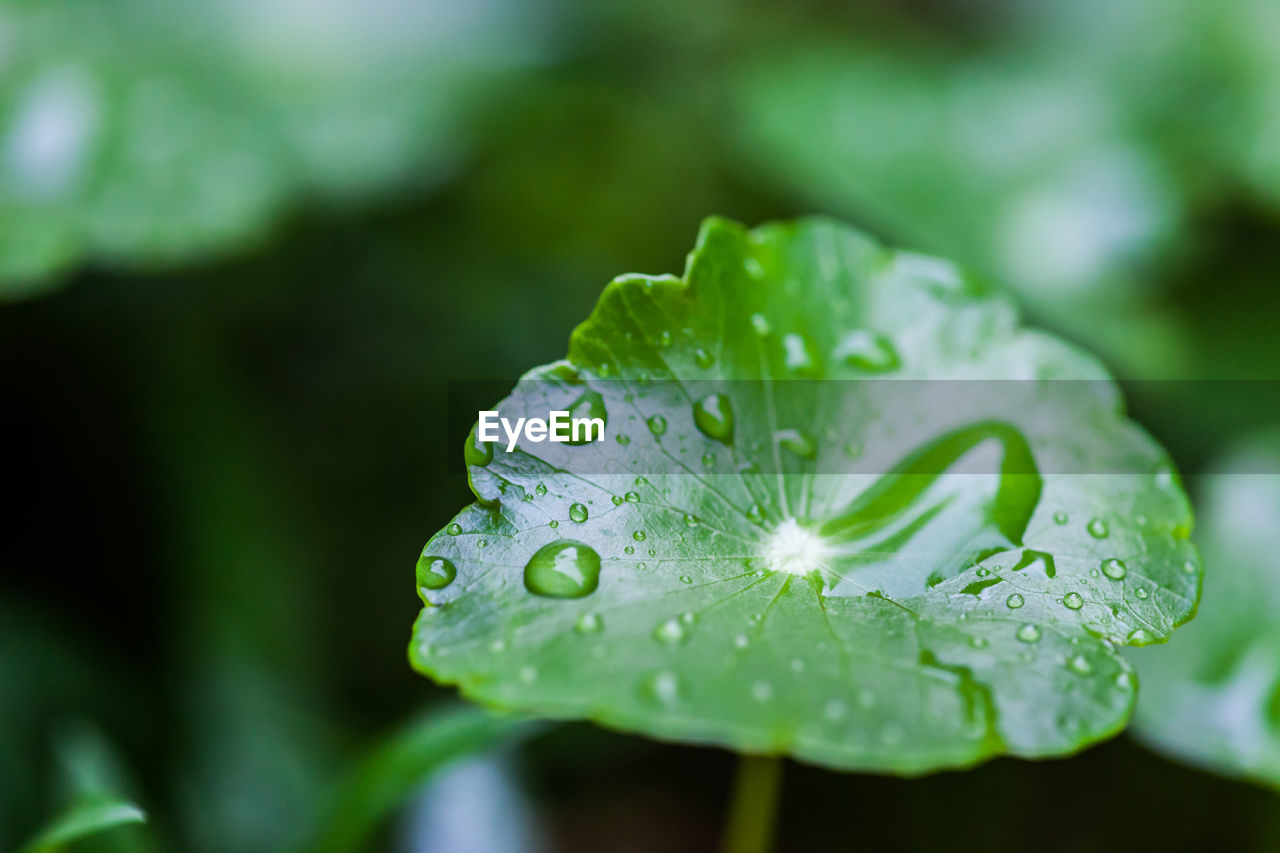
(558, 426)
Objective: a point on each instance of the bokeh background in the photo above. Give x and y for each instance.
(246, 246)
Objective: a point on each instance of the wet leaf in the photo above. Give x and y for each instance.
(846, 509)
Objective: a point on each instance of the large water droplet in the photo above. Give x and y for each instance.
(435, 572)
(797, 442)
(1098, 528)
(589, 405)
(639, 536)
(1114, 568)
(713, 415)
(476, 452)
(663, 687)
(578, 513)
(563, 569)
(1072, 601)
(657, 424)
(1140, 637)
(633, 497)
(1014, 601)
(453, 529)
(867, 351)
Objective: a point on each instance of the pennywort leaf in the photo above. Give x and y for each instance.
(846, 509)
(1212, 697)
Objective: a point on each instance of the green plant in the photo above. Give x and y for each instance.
(720, 570)
(1212, 697)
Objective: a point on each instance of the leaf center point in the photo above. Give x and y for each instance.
(795, 550)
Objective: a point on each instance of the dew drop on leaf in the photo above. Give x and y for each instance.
(1061, 518)
(578, 513)
(435, 572)
(761, 691)
(588, 623)
(713, 415)
(662, 687)
(1014, 601)
(761, 324)
(1079, 664)
(476, 452)
(633, 497)
(703, 358)
(639, 536)
(1029, 633)
(1114, 568)
(1098, 528)
(669, 632)
(867, 351)
(797, 442)
(1140, 637)
(589, 405)
(563, 569)
(657, 424)
(453, 529)
(617, 500)
(1072, 601)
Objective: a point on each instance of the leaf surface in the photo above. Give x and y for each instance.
(842, 511)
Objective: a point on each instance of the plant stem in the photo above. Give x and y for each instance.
(754, 805)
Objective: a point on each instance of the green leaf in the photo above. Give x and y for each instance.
(778, 551)
(399, 766)
(88, 816)
(1212, 697)
(139, 135)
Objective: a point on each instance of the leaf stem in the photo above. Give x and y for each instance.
(753, 806)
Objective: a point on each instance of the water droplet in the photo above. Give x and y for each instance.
(1189, 567)
(483, 543)
(1061, 518)
(834, 709)
(453, 529)
(554, 524)
(670, 632)
(713, 415)
(1140, 637)
(688, 618)
(563, 569)
(755, 514)
(623, 439)
(662, 686)
(664, 338)
(617, 500)
(657, 424)
(1015, 601)
(633, 497)
(690, 520)
(797, 665)
(798, 355)
(865, 350)
(760, 323)
(578, 513)
(588, 623)
(982, 571)
(703, 358)
(754, 268)
(1098, 528)
(686, 579)
(1072, 601)
(540, 489)
(639, 536)
(590, 405)
(528, 674)
(1079, 664)
(797, 442)
(1029, 633)
(761, 691)
(708, 460)
(630, 549)
(435, 572)
(978, 642)
(1141, 592)
(476, 452)
(498, 645)
(741, 641)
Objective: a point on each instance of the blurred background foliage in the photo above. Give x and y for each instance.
(245, 246)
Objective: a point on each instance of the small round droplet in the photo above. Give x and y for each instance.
(760, 323)
(755, 514)
(978, 642)
(686, 579)
(867, 351)
(578, 513)
(1060, 518)
(1072, 601)
(708, 460)
(982, 571)
(741, 641)
(1189, 567)
(435, 572)
(1098, 528)
(453, 529)
(1141, 592)
(761, 691)
(639, 536)
(662, 687)
(690, 520)
(1029, 633)
(1079, 664)
(633, 497)
(623, 439)
(553, 524)
(702, 358)
(483, 543)
(540, 489)
(670, 632)
(617, 500)
(713, 416)
(630, 549)
(563, 569)
(1014, 601)
(657, 424)
(588, 623)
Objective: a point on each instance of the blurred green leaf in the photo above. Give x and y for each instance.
(407, 759)
(900, 620)
(1211, 697)
(139, 134)
(89, 816)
